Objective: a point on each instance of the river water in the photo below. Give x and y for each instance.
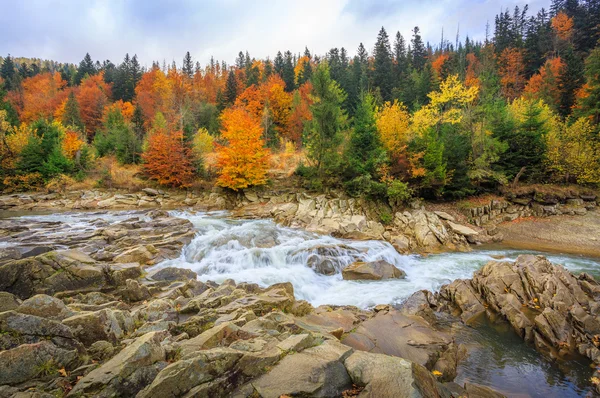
(262, 252)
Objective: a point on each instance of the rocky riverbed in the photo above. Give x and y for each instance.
(101, 303)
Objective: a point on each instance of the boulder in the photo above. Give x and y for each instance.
(50, 273)
(170, 274)
(139, 254)
(544, 303)
(317, 372)
(8, 301)
(376, 270)
(182, 376)
(409, 337)
(46, 307)
(124, 374)
(30, 361)
(461, 229)
(19, 328)
(383, 376)
(110, 325)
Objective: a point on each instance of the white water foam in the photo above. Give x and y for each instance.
(259, 251)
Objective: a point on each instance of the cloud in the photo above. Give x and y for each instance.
(64, 30)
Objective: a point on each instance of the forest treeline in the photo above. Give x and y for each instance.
(406, 118)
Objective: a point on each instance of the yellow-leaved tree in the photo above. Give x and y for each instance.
(243, 160)
(446, 105)
(573, 152)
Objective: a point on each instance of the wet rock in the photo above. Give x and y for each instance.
(477, 391)
(543, 302)
(46, 307)
(409, 337)
(173, 274)
(376, 270)
(316, 372)
(124, 374)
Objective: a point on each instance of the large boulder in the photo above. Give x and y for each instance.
(384, 376)
(544, 303)
(46, 307)
(409, 337)
(375, 270)
(317, 372)
(106, 324)
(182, 376)
(126, 373)
(30, 361)
(50, 273)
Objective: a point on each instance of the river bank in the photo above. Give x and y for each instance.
(558, 234)
(564, 221)
(181, 290)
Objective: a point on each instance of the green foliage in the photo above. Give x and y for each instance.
(72, 115)
(119, 138)
(364, 153)
(399, 192)
(526, 145)
(323, 133)
(43, 153)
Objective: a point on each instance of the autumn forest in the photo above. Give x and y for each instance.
(406, 118)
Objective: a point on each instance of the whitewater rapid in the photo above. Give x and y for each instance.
(260, 251)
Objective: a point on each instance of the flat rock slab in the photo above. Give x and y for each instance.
(376, 270)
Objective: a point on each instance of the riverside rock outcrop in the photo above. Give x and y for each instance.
(195, 339)
(544, 303)
(412, 230)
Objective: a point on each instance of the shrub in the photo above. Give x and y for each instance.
(398, 192)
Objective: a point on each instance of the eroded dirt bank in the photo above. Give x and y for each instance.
(562, 233)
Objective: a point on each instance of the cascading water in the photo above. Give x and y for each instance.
(260, 251)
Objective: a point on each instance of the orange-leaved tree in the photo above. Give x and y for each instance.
(243, 160)
(547, 84)
(92, 96)
(167, 158)
(512, 72)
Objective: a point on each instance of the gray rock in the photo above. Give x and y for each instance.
(315, 372)
(101, 350)
(381, 375)
(173, 274)
(180, 377)
(8, 301)
(117, 376)
(110, 325)
(28, 361)
(46, 307)
(376, 270)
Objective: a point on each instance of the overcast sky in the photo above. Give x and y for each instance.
(64, 30)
